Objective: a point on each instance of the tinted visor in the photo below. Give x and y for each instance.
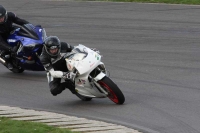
(53, 47)
(2, 19)
(53, 50)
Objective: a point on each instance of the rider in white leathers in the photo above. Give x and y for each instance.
(55, 65)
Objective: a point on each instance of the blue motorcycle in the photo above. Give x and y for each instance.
(28, 42)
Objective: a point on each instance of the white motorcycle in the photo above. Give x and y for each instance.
(91, 80)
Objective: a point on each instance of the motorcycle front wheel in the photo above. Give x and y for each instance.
(114, 93)
(17, 70)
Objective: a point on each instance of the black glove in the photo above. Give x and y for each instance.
(13, 51)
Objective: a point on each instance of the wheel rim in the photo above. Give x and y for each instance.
(111, 95)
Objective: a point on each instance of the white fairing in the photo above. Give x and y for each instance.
(85, 61)
(86, 65)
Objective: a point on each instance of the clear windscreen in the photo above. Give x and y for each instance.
(78, 53)
(80, 50)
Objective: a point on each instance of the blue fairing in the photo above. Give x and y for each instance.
(29, 41)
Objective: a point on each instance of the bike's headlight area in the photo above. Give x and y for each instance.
(30, 47)
(70, 64)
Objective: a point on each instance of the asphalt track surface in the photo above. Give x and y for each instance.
(151, 51)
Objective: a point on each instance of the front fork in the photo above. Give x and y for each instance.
(99, 76)
(100, 88)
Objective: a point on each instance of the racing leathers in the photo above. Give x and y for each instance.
(5, 29)
(56, 70)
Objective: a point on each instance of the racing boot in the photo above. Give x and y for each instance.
(9, 65)
(70, 85)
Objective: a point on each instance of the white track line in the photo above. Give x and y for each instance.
(63, 121)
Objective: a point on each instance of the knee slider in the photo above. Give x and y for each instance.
(56, 89)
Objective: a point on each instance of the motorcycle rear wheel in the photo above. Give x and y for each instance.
(114, 93)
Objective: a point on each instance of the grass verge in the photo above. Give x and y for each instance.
(13, 126)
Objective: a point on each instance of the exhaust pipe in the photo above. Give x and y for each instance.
(2, 61)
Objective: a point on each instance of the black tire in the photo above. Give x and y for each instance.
(114, 93)
(17, 70)
(83, 98)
